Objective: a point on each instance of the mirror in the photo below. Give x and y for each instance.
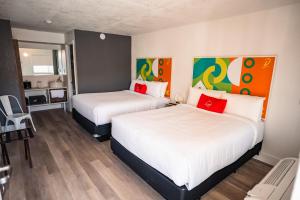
(42, 60)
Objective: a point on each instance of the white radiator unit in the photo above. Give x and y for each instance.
(278, 183)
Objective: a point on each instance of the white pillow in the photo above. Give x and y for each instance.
(195, 94)
(133, 82)
(244, 105)
(164, 86)
(154, 88)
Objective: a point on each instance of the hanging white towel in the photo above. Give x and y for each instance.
(57, 93)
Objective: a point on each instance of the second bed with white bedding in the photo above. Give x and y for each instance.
(99, 108)
(184, 143)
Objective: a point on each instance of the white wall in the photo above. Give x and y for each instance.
(38, 36)
(269, 32)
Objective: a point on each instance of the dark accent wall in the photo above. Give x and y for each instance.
(9, 76)
(102, 65)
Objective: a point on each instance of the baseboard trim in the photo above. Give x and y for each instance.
(267, 158)
(45, 107)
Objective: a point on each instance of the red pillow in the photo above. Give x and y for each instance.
(140, 88)
(212, 104)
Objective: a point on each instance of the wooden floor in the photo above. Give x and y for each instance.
(69, 164)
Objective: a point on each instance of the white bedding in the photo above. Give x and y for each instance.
(101, 107)
(185, 143)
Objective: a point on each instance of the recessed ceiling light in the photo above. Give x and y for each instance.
(48, 21)
(25, 54)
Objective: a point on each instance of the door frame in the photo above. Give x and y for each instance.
(69, 72)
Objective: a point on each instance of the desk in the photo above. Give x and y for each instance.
(49, 100)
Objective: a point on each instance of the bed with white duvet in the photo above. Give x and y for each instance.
(99, 108)
(184, 143)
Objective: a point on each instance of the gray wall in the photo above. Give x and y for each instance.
(102, 65)
(8, 67)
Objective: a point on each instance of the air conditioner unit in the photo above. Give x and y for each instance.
(278, 183)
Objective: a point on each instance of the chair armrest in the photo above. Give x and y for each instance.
(5, 168)
(5, 179)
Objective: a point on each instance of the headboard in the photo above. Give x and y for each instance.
(155, 69)
(242, 75)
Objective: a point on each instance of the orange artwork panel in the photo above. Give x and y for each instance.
(155, 69)
(256, 78)
(241, 75)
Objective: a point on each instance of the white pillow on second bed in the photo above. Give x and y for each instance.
(164, 86)
(244, 105)
(195, 94)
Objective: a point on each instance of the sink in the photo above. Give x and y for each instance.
(56, 84)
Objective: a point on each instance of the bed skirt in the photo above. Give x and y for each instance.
(165, 186)
(100, 132)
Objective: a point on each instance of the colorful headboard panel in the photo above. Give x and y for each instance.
(243, 75)
(155, 69)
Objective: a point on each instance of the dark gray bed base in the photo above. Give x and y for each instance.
(101, 132)
(165, 186)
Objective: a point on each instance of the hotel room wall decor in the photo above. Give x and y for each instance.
(242, 75)
(155, 69)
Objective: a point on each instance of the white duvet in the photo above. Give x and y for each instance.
(185, 143)
(101, 107)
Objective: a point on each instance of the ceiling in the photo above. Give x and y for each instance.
(127, 17)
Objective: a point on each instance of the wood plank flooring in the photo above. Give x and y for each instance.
(68, 164)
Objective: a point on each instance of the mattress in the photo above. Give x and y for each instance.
(99, 108)
(184, 143)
